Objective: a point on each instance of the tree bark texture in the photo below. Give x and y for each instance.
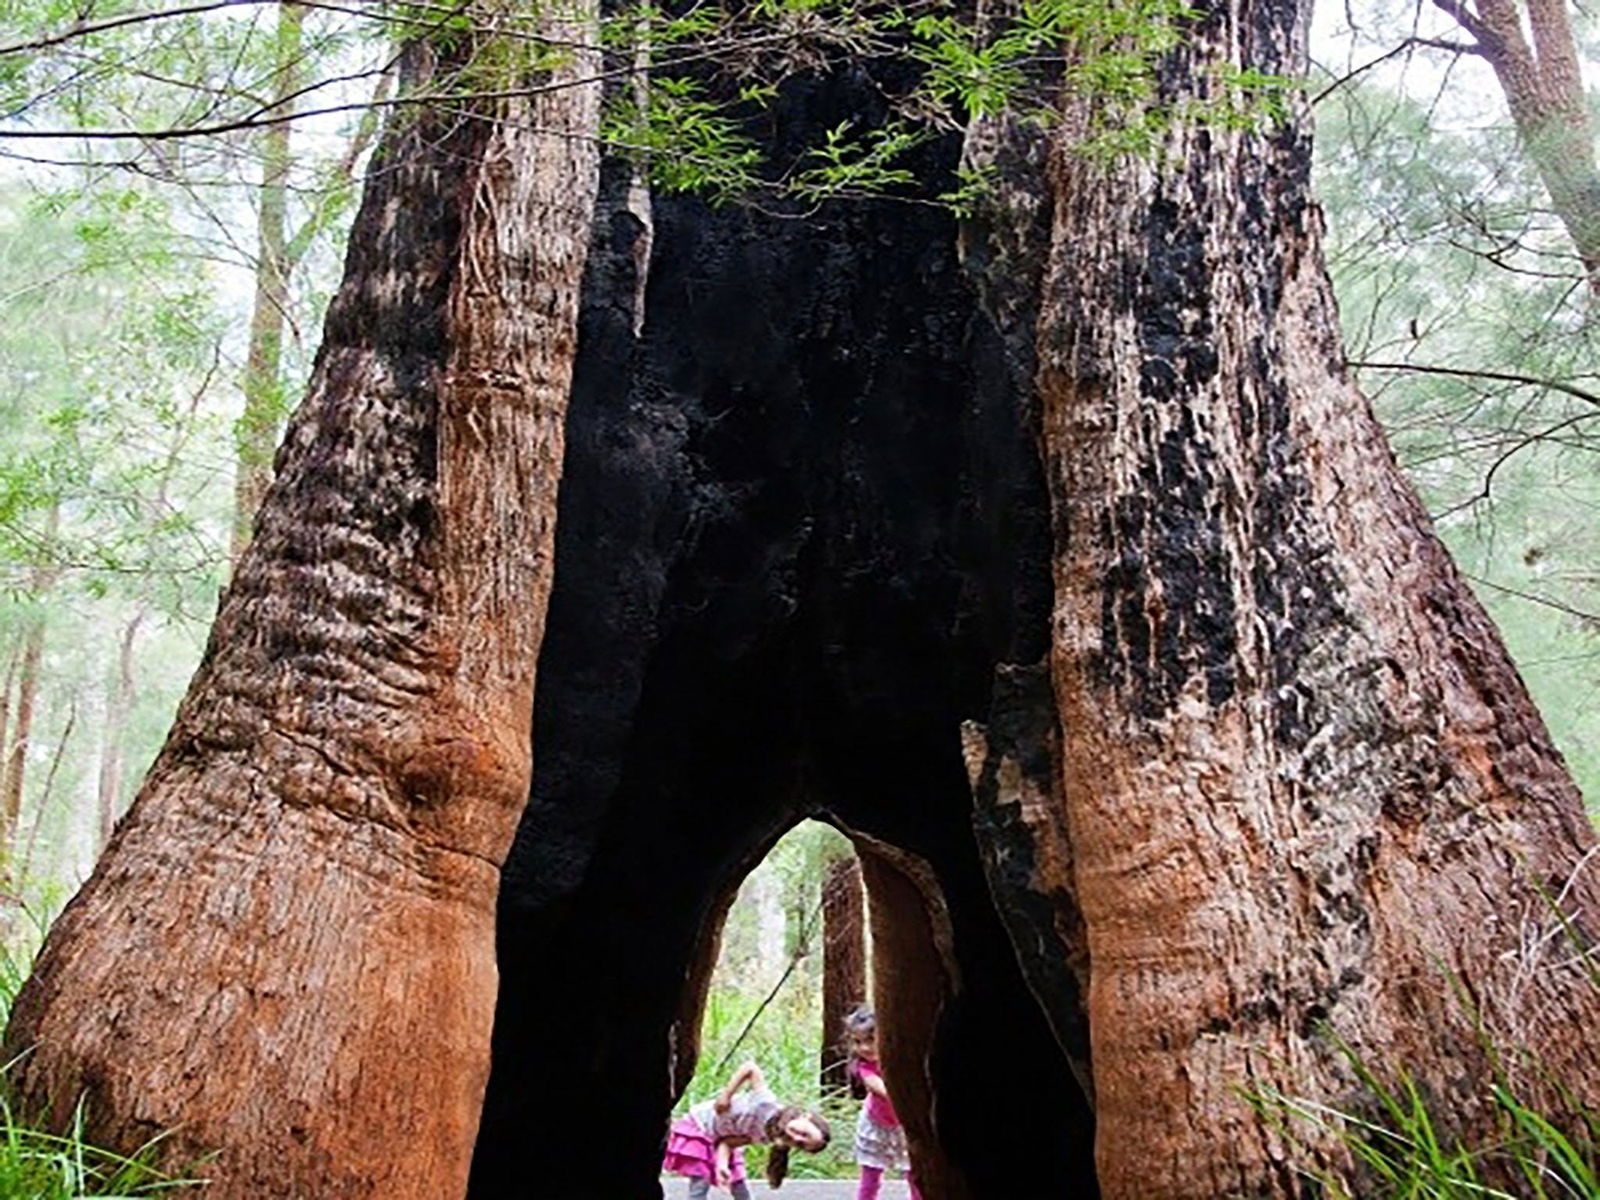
(916, 979)
(1307, 799)
(286, 954)
(844, 966)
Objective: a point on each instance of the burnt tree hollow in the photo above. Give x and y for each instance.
(802, 524)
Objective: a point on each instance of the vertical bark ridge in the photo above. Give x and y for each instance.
(844, 966)
(1305, 788)
(318, 843)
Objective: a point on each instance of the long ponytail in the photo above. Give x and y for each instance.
(777, 1164)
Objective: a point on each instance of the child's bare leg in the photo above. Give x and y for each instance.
(871, 1180)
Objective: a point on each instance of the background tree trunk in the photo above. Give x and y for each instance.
(17, 762)
(844, 965)
(1307, 796)
(286, 953)
(119, 701)
(12, 786)
(257, 430)
(12, 653)
(1543, 85)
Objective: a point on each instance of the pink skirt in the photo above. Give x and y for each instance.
(690, 1151)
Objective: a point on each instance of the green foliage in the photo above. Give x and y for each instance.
(857, 163)
(36, 1164)
(717, 73)
(1112, 50)
(691, 142)
(1402, 1151)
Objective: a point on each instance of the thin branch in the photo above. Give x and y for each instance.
(1506, 455)
(1532, 597)
(801, 950)
(1555, 385)
(44, 796)
(1403, 47)
(259, 119)
(84, 29)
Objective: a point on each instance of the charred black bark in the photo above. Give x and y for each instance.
(802, 521)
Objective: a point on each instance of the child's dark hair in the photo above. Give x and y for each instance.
(778, 1154)
(860, 1024)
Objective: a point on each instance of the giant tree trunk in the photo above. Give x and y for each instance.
(286, 954)
(1307, 796)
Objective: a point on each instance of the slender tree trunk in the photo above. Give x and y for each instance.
(285, 956)
(17, 761)
(844, 964)
(1307, 797)
(257, 430)
(41, 580)
(1543, 84)
(25, 859)
(13, 652)
(119, 701)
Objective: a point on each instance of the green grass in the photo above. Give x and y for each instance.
(36, 1164)
(1401, 1151)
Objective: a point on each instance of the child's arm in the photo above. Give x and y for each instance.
(872, 1079)
(721, 1167)
(749, 1073)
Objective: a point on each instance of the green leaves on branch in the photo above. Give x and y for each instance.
(692, 143)
(713, 73)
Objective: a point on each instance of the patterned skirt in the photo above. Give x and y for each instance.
(881, 1146)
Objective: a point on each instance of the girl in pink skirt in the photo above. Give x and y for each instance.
(705, 1144)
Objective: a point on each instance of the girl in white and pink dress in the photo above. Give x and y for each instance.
(880, 1140)
(706, 1143)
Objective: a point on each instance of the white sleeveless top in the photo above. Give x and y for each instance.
(747, 1116)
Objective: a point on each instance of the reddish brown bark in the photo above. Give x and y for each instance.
(1307, 796)
(914, 978)
(285, 955)
(844, 965)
